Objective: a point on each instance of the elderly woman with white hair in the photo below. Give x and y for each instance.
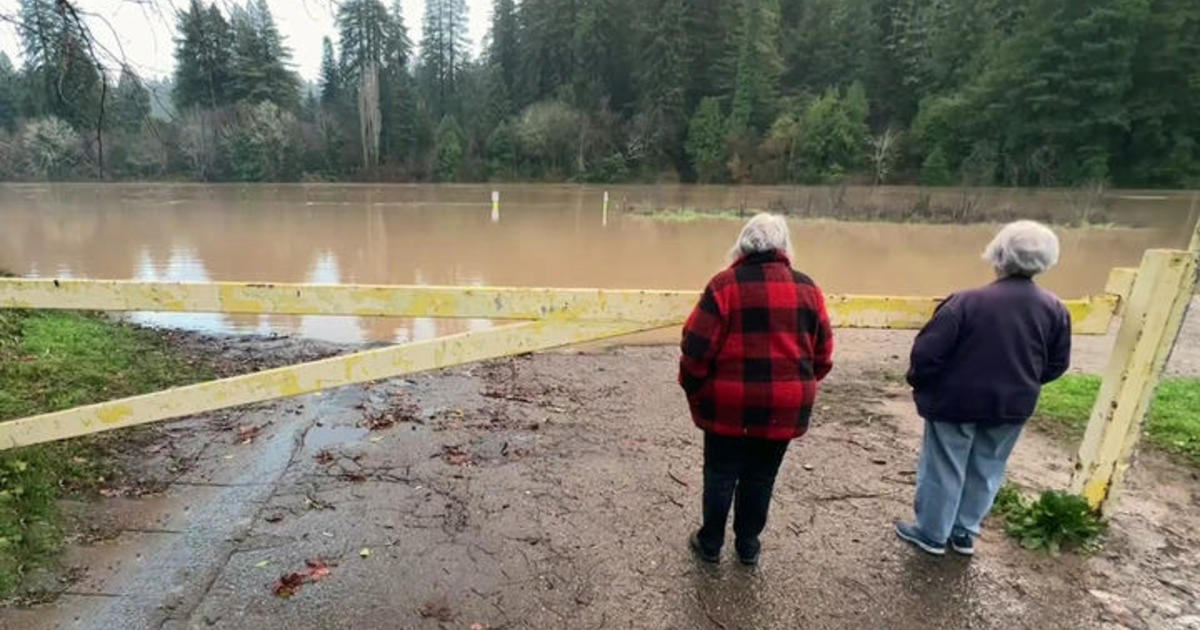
(977, 369)
(754, 349)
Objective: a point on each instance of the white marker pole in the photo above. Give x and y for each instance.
(495, 206)
(604, 216)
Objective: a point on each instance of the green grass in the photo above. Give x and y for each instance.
(1173, 424)
(51, 361)
(689, 215)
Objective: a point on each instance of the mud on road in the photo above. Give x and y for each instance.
(557, 490)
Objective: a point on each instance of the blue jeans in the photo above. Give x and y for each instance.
(960, 472)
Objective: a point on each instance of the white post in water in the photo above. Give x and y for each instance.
(495, 206)
(604, 214)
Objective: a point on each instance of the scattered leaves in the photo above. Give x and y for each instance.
(289, 583)
(379, 422)
(436, 610)
(455, 456)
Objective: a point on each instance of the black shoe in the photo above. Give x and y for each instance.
(701, 552)
(963, 545)
(909, 533)
(748, 554)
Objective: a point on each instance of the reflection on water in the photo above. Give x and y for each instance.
(545, 236)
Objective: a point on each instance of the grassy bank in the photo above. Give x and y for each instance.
(51, 361)
(1173, 425)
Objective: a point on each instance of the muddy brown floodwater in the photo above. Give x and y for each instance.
(546, 235)
(555, 490)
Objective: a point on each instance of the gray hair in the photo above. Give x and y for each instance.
(763, 233)
(1023, 248)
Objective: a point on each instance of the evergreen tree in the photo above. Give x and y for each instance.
(203, 58)
(449, 150)
(366, 35)
(444, 53)
(759, 66)
(662, 77)
(709, 35)
(504, 57)
(1163, 145)
(706, 140)
(331, 76)
(502, 152)
(1052, 96)
(64, 79)
(397, 90)
(399, 46)
(547, 28)
(130, 103)
(10, 94)
(260, 59)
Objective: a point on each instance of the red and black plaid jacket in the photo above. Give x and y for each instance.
(754, 349)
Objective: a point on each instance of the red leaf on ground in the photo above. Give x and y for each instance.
(456, 456)
(289, 583)
(317, 569)
(247, 433)
(436, 610)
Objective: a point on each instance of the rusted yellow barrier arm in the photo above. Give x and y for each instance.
(557, 317)
(1151, 320)
(306, 378)
(1090, 315)
(347, 299)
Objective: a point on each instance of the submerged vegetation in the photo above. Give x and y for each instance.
(969, 93)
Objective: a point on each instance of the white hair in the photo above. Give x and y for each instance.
(763, 233)
(1023, 248)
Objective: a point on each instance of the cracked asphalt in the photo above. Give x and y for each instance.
(557, 490)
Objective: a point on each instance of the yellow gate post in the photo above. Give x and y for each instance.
(1152, 317)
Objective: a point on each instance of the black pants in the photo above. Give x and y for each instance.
(744, 468)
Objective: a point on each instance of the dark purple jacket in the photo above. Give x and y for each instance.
(987, 352)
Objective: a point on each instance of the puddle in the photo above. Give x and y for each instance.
(320, 437)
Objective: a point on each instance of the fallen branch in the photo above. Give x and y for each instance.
(676, 479)
(850, 495)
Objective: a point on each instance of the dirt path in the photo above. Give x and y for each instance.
(557, 491)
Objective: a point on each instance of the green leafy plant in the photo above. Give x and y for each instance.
(1055, 521)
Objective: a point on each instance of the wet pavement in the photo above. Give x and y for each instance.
(557, 491)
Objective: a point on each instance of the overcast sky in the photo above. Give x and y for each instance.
(143, 32)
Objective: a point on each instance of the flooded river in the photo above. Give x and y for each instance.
(545, 235)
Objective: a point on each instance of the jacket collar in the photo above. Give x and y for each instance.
(1014, 278)
(762, 258)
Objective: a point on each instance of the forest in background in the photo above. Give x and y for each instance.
(937, 92)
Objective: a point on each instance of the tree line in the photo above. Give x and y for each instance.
(939, 92)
